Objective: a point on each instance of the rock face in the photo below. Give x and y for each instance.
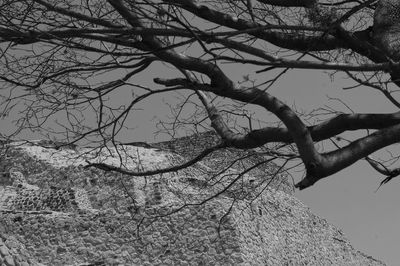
(21, 196)
(190, 146)
(168, 219)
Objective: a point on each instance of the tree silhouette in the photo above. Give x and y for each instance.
(63, 61)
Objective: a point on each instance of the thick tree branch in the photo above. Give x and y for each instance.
(217, 121)
(289, 3)
(322, 165)
(325, 130)
(359, 41)
(223, 86)
(294, 41)
(297, 129)
(298, 64)
(339, 159)
(119, 34)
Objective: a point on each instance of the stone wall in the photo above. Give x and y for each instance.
(275, 230)
(168, 219)
(189, 147)
(14, 253)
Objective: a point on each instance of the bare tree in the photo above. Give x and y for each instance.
(63, 61)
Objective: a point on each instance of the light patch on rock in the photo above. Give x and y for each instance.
(127, 157)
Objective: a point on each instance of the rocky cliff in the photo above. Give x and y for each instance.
(54, 211)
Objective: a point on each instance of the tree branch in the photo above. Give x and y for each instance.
(204, 153)
(289, 3)
(322, 165)
(295, 126)
(294, 41)
(69, 13)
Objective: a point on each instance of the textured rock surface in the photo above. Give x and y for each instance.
(159, 220)
(190, 146)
